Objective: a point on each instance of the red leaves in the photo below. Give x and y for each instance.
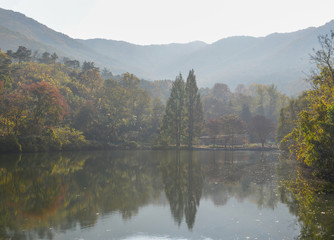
(46, 102)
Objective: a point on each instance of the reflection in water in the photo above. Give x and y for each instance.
(183, 182)
(44, 195)
(315, 210)
(250, 175)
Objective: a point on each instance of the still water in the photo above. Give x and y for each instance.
(138, 195)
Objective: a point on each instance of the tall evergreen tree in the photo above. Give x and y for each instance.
(173, 122)
(194, 109)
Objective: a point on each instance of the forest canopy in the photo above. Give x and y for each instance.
(53, 103)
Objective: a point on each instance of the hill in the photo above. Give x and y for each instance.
(279, 58)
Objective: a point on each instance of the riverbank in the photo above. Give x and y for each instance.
(17, 144)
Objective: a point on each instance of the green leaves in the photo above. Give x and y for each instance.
(184, 118)
(314, 133)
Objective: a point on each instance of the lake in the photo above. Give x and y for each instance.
(139, 195)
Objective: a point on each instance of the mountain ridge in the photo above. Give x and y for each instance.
(278, 58)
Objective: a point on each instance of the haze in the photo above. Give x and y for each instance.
(159, 22)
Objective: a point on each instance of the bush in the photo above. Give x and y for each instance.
(50, 140)
(70, 138)
(10, 144)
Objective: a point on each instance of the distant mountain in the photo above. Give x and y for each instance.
(280, 58)
(17, 29)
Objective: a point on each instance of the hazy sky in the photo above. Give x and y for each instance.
(165, 21)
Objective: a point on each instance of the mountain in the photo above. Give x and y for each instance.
(279, 58)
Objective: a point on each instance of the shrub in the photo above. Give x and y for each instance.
(10, 144)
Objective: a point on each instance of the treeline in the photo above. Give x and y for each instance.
(306, 124)
(247, 115)
(48, 104)
(55, 106)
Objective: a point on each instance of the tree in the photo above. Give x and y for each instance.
(46, 58)
(17, 110)
(75, 64)
(46, 105)
(324, 60)
(194, 109)
(158, 109)
(88, 66)
(173, 121)
(91, 79)
(106, 74)
(260, 90)
(313, 137)
(273, 96)
(22, 54)
(261, 127)
(213, 128)
(231, 125)
(54, 58)
(129, 81)
(245, 114)
(222, 91)
(4, 69)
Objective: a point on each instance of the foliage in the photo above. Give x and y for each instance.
(22, 54)
(39, 99)
(231, 125)
(172, 130)
(256, 99)
(183, 120)
(262, 128)
(288, 118)
(39, 95)
(313, 136)
(305, 196)
(194, 109)
(4, 70)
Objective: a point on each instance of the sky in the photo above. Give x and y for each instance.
(147, 22)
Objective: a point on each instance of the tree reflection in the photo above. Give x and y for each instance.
(305, 199)
(60, 190)
(183, 182)
(41, 194)
(244, 176)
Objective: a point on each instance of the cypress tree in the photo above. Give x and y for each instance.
(173, 122)
(194, 109)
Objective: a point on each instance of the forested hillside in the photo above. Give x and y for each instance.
(280, 59)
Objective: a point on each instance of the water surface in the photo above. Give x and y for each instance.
(146, 195)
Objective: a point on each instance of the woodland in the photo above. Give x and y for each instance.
(53, 104)
(48, 104)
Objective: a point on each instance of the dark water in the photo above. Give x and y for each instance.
(155, 195)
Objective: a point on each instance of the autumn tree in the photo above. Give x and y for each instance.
(46, 105)
(4, 69)
(17, 110)
(314, 134)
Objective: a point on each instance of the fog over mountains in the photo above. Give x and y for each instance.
(279, 58)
